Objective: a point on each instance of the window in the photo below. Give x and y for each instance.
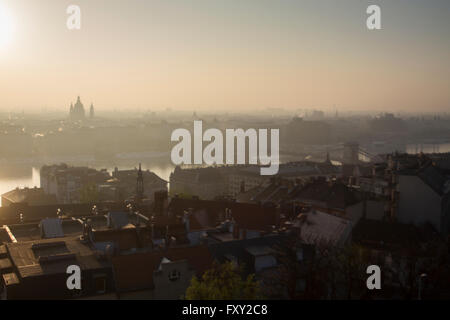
(174, 275)
(100, 283)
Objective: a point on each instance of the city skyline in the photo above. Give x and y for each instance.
(226, 55)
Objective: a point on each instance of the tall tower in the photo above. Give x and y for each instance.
(77, 110)
(351, 153)
(91, 111)
(328, 159)
(140, 185)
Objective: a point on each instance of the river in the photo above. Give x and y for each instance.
(27, 175)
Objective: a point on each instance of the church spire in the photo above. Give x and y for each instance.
(78, 110)
(328, 160)
(139, 185)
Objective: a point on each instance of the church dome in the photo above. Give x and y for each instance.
(77, 111)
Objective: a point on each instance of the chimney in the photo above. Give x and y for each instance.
(350, 180)
(236, 231)
(228, 214)
(231, 226)
(187, 220)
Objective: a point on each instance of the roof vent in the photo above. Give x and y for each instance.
(51, 228)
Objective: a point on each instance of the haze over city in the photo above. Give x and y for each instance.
(226, 55)
(225, 150)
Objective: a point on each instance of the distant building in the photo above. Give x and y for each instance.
(91, 111)
(351, 153)
(206, 183)
(66, 182)
(81, 184)
(32, 196)
(300, 131)
(77, 111)
(433, 204)
(228, 181)
(137, 183)
(414, 188)
(317, 194)
(387, 123)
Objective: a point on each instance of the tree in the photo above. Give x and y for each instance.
(432, 258)
(224, 282)
(305, 269)
(328, 271)
(351, 263)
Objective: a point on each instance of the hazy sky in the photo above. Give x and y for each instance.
(234, 54)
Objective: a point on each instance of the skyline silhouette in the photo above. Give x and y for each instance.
(229, 55)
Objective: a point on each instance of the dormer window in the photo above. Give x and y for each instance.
(174, 275)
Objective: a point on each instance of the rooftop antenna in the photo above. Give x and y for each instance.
(139, 185)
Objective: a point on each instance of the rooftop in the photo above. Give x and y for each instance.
(331, 194)
(317, 226)
(135, 271)
(33, 196)
(51, 256)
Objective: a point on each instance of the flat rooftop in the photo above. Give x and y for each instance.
(32, 231)
(52, 256)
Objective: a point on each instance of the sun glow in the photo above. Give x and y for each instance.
(6, 27)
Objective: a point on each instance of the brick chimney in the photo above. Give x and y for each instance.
(187, 220)
(236, 231)
(244, 233)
